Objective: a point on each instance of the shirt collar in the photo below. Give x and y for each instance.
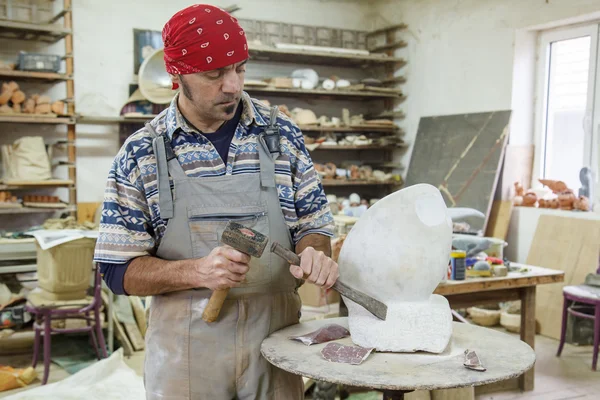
(175, 120)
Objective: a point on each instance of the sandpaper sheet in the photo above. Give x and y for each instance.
(339, 353)
(322, 335)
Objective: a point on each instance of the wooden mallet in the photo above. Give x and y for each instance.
(245, 240)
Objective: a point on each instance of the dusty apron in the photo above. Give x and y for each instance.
(186, 358)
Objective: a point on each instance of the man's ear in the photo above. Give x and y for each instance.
(175, 79)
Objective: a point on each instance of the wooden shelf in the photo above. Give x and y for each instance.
(28, 31)
(35, 210)
(349, 129)
(35, 119)
(263, 53)
(351, 148)
(390, 46)
(17, 268)
(51, 183)
(29, 75)
(387, 115)
(387, 29)
(90, 119)
(340, 182)
(396, 79)
(326, 94)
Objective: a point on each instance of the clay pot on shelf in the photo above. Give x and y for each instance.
(518, 199)
(582, 203)
(566, 200)
(543, 203)
(529, 199)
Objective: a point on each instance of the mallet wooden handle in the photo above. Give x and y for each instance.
(213, 308)
(245, 240)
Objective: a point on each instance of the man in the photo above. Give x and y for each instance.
(214, 155)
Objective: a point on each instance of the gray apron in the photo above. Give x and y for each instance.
(186, 358)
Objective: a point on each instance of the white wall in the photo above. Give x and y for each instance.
(460, 54)
(103, 32)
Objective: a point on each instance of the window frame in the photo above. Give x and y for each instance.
(545, 38)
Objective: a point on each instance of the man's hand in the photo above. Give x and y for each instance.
(319, 269)
(223, 268)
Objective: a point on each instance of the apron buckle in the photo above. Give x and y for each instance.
(272, 134)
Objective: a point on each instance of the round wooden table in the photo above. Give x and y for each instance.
(395, 374)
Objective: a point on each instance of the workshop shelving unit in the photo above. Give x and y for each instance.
(386, 64)
(50, 31)
(381, 60)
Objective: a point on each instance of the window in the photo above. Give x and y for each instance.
(565, 113)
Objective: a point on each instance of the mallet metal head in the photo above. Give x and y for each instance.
(244, 239)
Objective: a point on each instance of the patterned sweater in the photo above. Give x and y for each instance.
(131, 225)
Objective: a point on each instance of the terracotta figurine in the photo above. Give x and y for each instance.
(555, 186)
(529, 199)
(518, 199)
(566, 200)
(543, 203)
(582, 204)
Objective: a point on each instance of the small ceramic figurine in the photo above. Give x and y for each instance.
(566, 200)
(582, 203)
(554, 203)
(529, 199)
(555, 186)
(543, 203)
(518, 199)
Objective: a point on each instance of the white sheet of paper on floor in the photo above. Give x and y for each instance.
(109, 378)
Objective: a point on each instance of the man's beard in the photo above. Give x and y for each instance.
(188, 93)
(230, 109)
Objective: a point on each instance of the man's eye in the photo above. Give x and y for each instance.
(241, 71)
(214, 74)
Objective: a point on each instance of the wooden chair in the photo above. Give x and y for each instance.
(45, 311)
(588, 293)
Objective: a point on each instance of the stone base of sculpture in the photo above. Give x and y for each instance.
(409, 326)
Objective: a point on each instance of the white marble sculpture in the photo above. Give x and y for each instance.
(398, 252)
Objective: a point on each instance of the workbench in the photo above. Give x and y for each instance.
(516, 286)
(395, 374)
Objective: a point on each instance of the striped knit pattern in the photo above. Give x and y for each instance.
(131, 225)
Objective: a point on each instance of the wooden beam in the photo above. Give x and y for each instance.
(527, 296)
(465, 300)
(387, 29)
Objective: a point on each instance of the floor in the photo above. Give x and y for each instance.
(567, 377)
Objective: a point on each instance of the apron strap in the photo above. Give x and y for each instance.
(268, 152)
(165, 158)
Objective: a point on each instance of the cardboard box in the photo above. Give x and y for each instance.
(312, 295)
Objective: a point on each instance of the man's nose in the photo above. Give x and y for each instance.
(232, 82)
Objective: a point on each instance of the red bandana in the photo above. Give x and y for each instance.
(202, 38)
